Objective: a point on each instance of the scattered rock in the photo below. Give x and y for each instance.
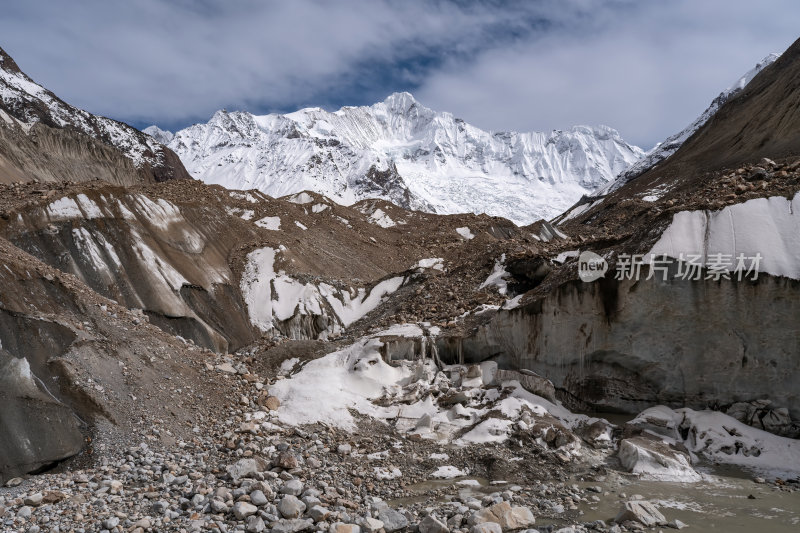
(255, 524)
(34, 500)
(258, 498)
(272, 403)
(287, 461)
(344, 449)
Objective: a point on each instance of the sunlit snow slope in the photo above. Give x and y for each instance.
(406, 153)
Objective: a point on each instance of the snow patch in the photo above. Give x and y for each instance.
(498, 276)
(436, 263)
(382, 219)
(465, 233)
(270, 223)
(351, 307)
(301, 198)
(723, 439)
(256, 287)
(448, 472)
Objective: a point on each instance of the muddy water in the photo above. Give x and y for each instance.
(720, 503)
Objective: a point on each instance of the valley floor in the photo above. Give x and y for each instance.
(348, 442)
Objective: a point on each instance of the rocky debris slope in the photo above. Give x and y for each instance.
(78, 368)
(403, 152)
(43, 138)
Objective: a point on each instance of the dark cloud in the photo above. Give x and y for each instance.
(646, 68)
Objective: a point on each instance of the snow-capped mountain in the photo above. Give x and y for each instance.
(30, 103)
(403, 152)
(670, 145)
(164, 137)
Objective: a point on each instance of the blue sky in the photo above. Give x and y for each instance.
(646, 68)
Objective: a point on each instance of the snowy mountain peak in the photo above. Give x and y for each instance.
(162, 136)
(401, 103)
(404, 152)
(750, 74)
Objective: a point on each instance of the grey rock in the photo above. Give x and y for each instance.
(242, 510)
(110, 523)
(218, 506)
(34, 500)
(344, 449)
(293, 487)
(642, 512)
(292, 526)
(311, 501)
(431, 524)
(246, 468)
(287, 460)
(291, 507)
(341, 527)
(371, 525)
(507, 516)
(392, 520)
(255, 524)
(487, 527)
(455, 521)
(758, 173)
(318, 513)
(676, 524)
(159, 507)
(258, 498)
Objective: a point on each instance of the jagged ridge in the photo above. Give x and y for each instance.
(406, 153)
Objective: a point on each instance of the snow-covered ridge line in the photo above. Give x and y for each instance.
(671, 144)
(30, 102)
(403, 152)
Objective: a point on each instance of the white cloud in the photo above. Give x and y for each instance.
(646, 68)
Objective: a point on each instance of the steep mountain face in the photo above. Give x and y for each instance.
(54, 140)
(671, 144)
(405, 153)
